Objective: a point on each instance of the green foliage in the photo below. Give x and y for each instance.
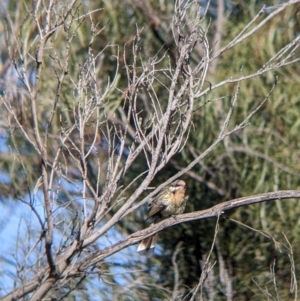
(263, 157)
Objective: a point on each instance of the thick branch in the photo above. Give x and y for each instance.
(187, 217)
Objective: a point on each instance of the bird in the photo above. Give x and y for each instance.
(170, 201)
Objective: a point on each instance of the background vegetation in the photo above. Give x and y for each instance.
(74, 88)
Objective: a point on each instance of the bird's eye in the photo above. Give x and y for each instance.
(173, 188)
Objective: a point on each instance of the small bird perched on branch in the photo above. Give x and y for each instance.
(170, 201)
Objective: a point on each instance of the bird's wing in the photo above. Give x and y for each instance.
(157, 204)
(154, 208)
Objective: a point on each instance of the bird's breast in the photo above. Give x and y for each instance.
(175, 204)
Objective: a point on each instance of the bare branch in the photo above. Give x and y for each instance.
(187, 217)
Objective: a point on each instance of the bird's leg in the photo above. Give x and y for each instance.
(174, 216)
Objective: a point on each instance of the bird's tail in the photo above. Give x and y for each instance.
(148, 243)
